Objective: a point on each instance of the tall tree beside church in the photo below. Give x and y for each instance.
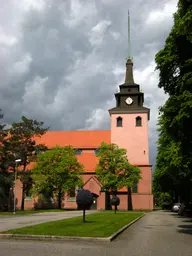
(174, 63)
(169, 159)
(22, 145)
(111, 163)
(114, 171)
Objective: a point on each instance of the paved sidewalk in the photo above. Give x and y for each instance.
(19, 221)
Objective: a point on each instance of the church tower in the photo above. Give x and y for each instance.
(129, 130)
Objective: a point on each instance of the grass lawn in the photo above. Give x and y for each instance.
(101, 224)
(30, 212)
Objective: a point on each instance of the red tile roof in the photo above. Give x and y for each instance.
(76, 139)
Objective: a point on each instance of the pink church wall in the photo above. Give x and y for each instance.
(18, 194)
(101, 201)
(93, 186)
(69, 204)
(145, 184)
(132, 138)
(29, 204)
(139, 202)
(142, 202)
(123, 202)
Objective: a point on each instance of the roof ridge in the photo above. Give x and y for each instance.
(79, 130)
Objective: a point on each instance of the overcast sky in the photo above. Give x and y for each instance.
(61, 61)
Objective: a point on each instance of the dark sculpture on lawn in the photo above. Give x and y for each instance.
(84, 200)
(115, 200)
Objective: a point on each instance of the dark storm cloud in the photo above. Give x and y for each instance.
(61, 62)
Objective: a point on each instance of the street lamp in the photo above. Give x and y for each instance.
(17, 161)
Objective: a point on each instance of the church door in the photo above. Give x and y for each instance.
(94, 205)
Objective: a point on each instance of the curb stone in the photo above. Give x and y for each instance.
(69, 238)
(51, 238)
(116, 234)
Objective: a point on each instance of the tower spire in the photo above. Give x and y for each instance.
(129, 65)
(129, 38)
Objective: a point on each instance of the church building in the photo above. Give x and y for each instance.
(129, 130)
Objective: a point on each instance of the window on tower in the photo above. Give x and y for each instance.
(138, 121)
(119, 121)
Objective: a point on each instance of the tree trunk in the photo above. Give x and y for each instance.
(59, 199)
(107, 201)
(129, 197)
(83, 215)
(115, 209)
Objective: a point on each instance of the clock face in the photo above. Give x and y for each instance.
(129, 101)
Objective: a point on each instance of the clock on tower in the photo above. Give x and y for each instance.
(129, 101)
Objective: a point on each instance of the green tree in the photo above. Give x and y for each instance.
(113, 169)
(22, 144)
(56, 170)
(165, 200)
(170, 174)
(174, 62)
(112, 161)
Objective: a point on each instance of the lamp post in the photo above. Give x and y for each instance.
(16, 161)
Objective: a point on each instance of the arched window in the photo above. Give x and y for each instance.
(138, 121)
(119, 121)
